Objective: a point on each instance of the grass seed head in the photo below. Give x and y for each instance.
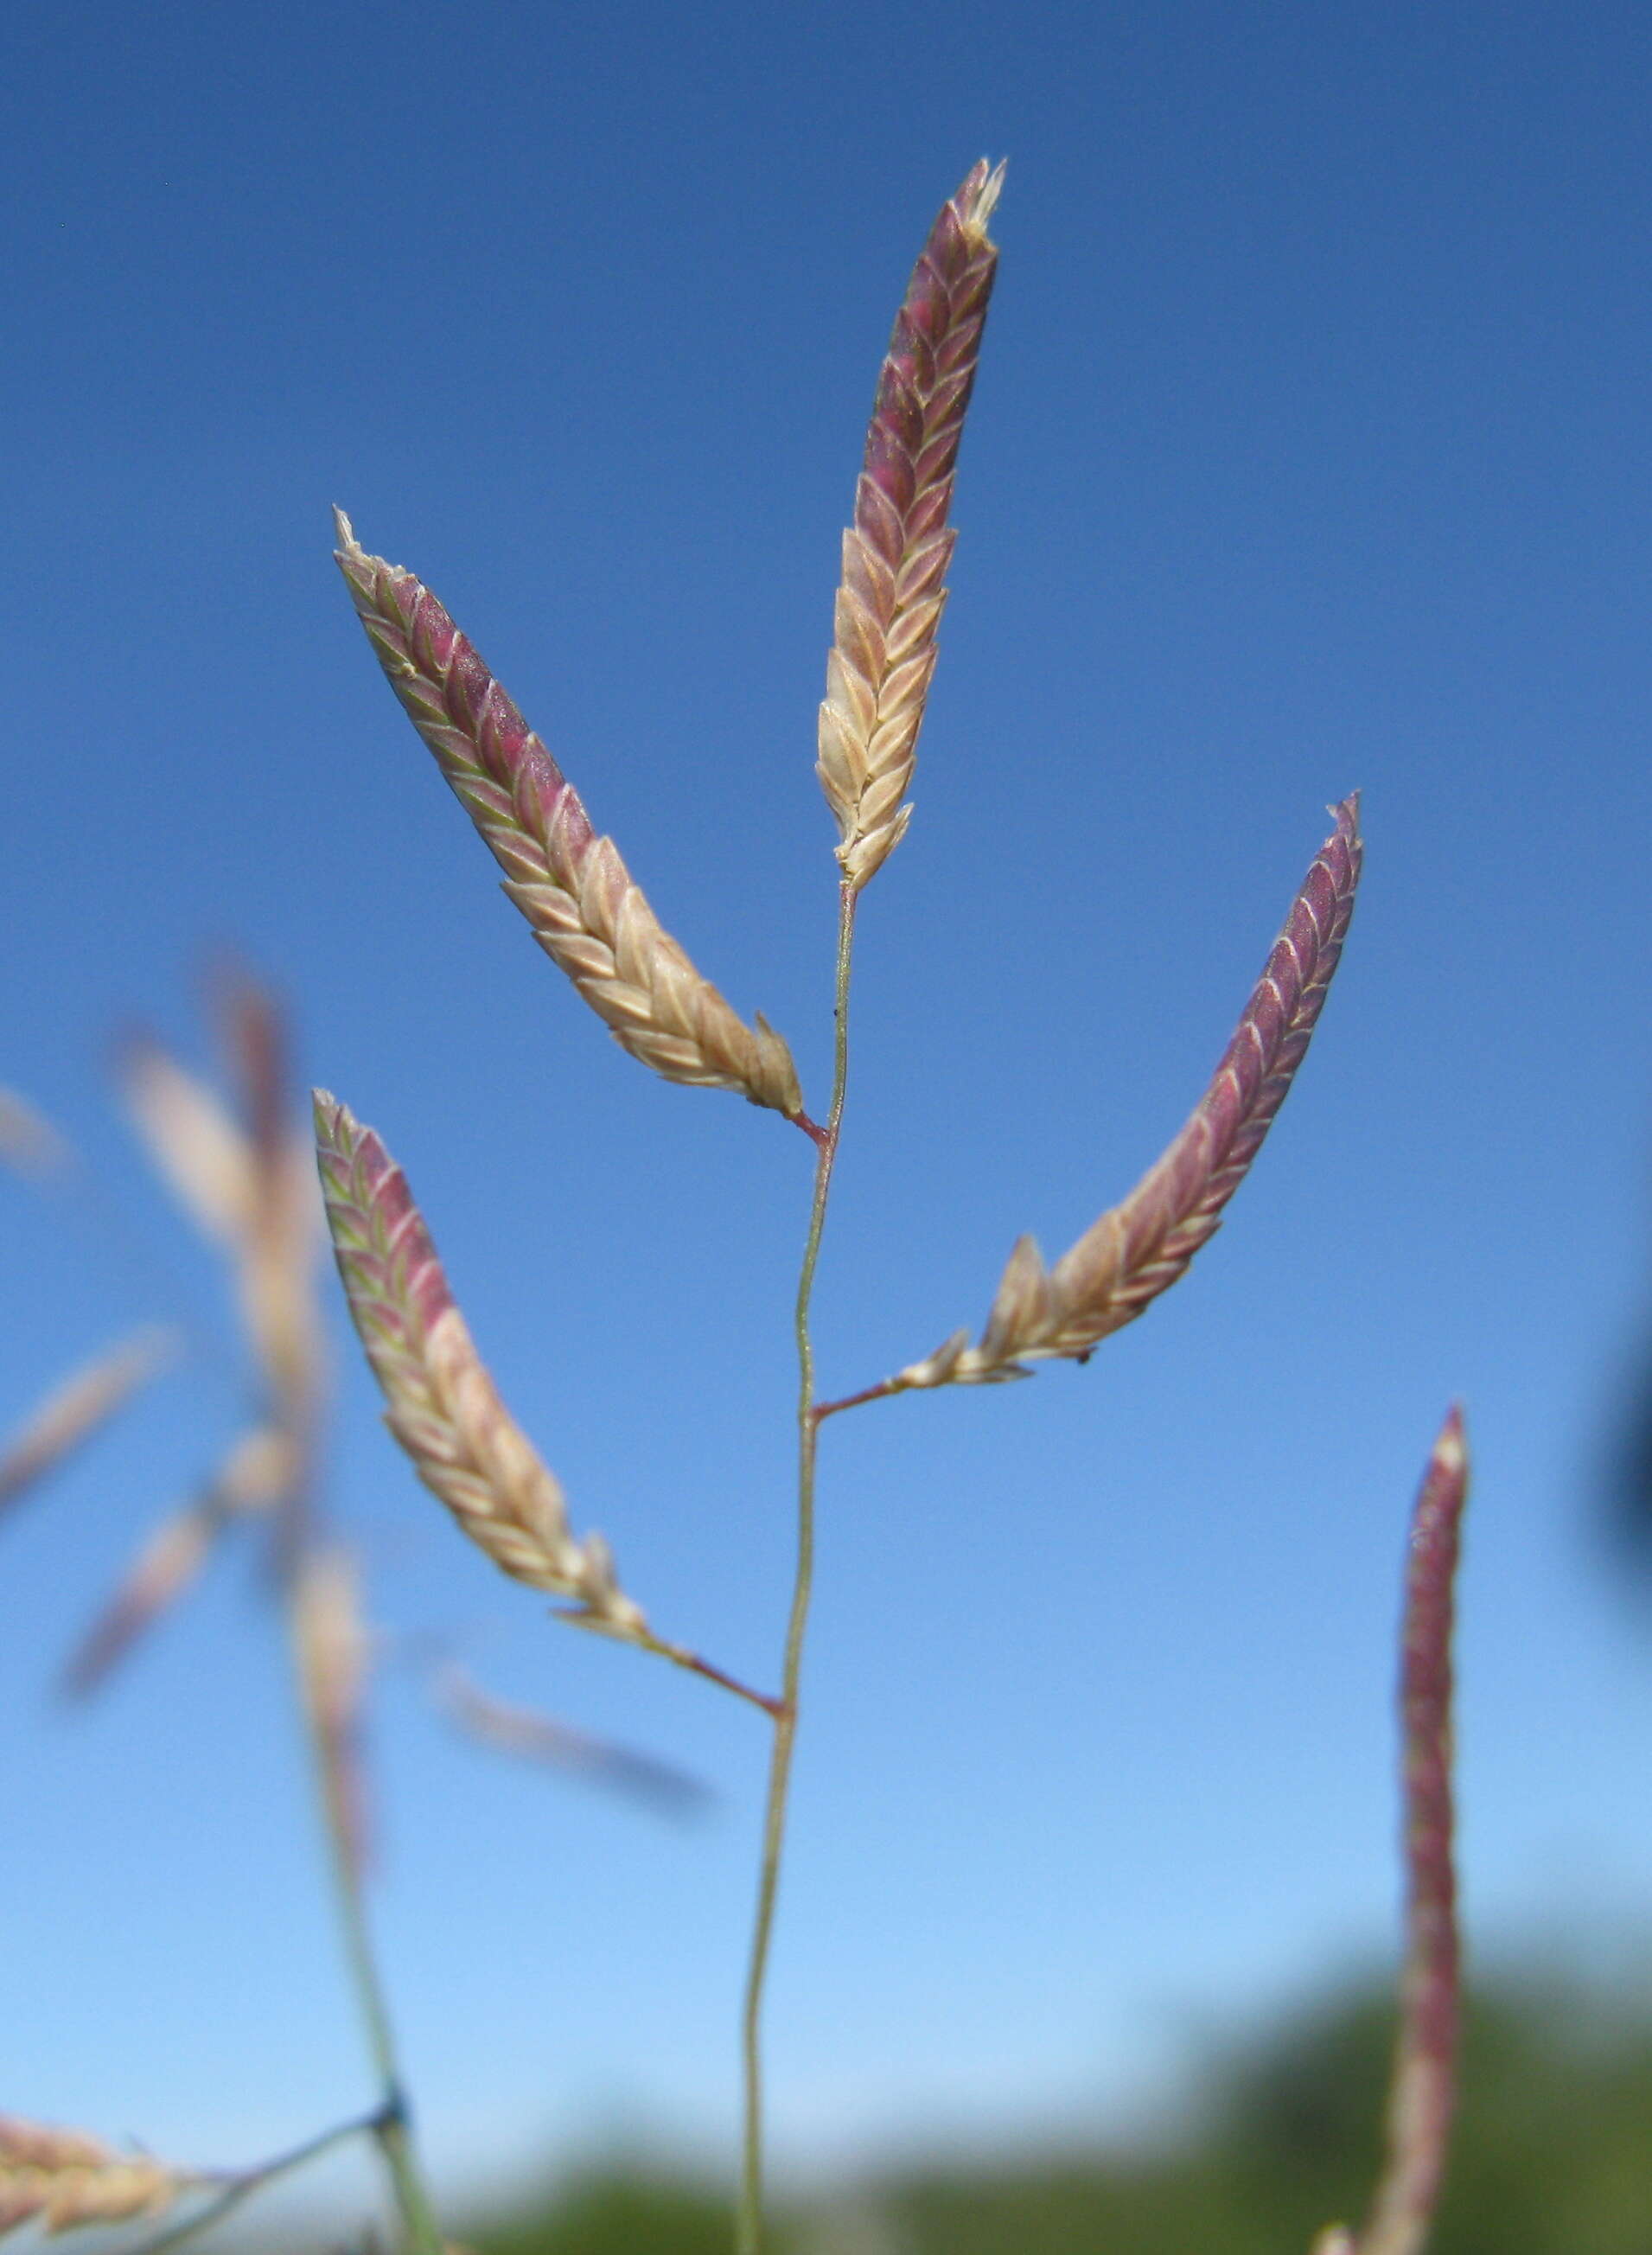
(1422, 2090)
(255, 1478)
(1138, 1249)
(440, 1402)
(579, 899)
(89, 1398)
(58, 2179)
(896, 551)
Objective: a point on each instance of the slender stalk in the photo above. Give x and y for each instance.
(881, 1392)
(681, 1657)
(242, 2185)
(749, 2231)
(388, 2124)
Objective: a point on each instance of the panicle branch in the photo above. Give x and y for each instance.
(577, 894)
(1138, 1249)
(896, 551)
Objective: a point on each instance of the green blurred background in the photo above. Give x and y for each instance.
(1553, 2156)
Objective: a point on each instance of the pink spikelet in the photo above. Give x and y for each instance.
(897, 551)
(1423, 2093)
(443, 1407)
(440, 1402)
(1138, 1249)
(577, 894)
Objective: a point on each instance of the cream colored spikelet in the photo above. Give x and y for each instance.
(440, 1402)
(584, 907)
(897, 551)
(59, 2179)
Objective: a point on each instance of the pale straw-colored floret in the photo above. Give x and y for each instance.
(29, 1143)
(254, 1194)
(896, 551)
(254, 1478)
(87, 1398)
(578, 897)
(1137, 1249)
(440, 1402)
(57, 2179)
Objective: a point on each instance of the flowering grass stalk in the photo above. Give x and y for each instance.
(1423, 2087)
(589, 915)
(247, 1178)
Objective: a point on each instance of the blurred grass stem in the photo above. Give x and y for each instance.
(389, 2123)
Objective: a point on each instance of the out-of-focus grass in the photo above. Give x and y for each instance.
(1553, 2156)
(621, 2215)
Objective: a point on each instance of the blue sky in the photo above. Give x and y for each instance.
(1309, 451)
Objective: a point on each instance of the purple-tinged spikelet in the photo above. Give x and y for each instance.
(1422, 2085)
(1137, 1249)
(1423, 2088)
(440, 1402)
(896, 553)
(577, 894)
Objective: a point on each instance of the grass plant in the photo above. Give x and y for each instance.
(240, 1176)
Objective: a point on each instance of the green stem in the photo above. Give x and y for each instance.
(389, 2125)
(749, 2232)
